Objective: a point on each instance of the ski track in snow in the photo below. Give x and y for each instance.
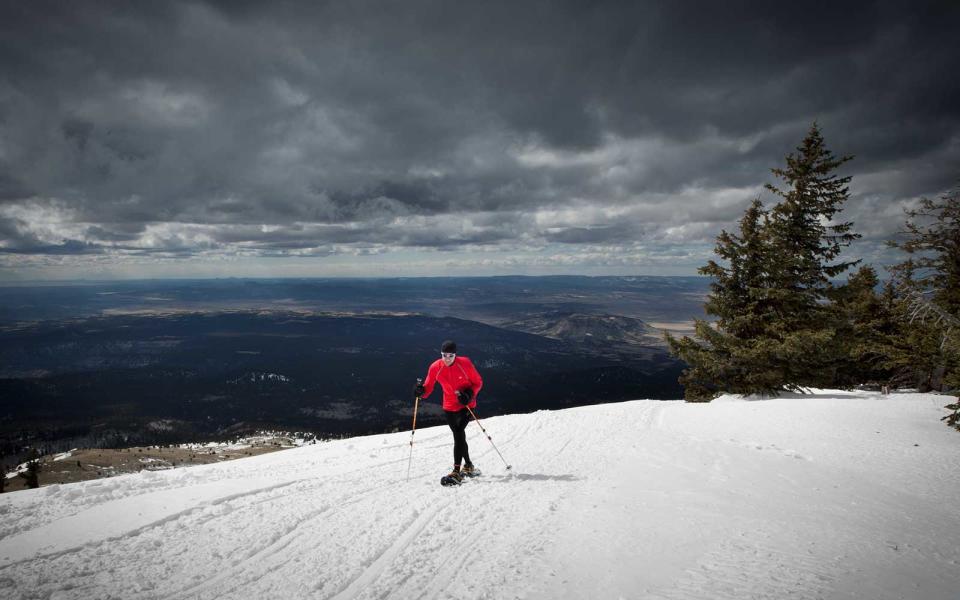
(832, 496)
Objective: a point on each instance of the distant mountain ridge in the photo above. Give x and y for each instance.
(102, 381)
(491, 300)
(94, 363)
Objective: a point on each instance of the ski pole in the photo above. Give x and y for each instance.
(488, 437)
(413, 429)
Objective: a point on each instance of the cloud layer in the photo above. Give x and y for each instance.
(577, 134)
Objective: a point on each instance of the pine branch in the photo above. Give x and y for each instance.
(927, 312)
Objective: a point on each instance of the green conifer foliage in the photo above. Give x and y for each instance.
(724, 355)
(805, 240)
(738, 289)
(933, 245)
(32, 476)
(800, 223)
(931, 356)
(773, 328)
(867, 323)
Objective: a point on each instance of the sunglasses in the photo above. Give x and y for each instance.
(448, 354)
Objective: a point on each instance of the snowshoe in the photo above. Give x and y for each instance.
(454, 478)
(470, 471)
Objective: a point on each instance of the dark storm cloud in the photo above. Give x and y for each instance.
(439, 124)
(70, 247)
(124, 233)
(591, 235)
(11, 188)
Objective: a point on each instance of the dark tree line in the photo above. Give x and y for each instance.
(782, 321)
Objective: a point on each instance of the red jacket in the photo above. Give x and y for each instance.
(460, 375)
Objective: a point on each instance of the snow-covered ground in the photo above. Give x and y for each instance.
(833, 495)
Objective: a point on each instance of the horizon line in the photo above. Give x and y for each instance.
(14, 283)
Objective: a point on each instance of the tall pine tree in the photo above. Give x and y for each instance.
(773, 330)
(805, 242)
(724, 355)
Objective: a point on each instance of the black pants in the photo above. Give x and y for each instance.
(458, 424)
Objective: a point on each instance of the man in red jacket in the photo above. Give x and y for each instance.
(461, 384)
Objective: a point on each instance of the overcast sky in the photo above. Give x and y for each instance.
(233, 138)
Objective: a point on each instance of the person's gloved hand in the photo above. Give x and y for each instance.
(418, 390)
(465, 396)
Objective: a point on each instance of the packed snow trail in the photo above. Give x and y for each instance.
(833, 495)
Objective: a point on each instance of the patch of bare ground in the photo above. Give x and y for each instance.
(676, 328)
(85, 464)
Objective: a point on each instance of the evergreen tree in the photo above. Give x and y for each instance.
(805, 241)
(953, 419)
(737, 289)
(913, 356)
(933, 245)
(931, 358)
(725, 356)
(867, 323)
(32, 476)
(773, 329)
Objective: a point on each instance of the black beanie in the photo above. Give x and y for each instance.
(449, 346)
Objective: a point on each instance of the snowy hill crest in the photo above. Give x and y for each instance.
(819, 497)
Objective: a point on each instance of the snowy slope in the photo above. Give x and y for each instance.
(834, 495)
